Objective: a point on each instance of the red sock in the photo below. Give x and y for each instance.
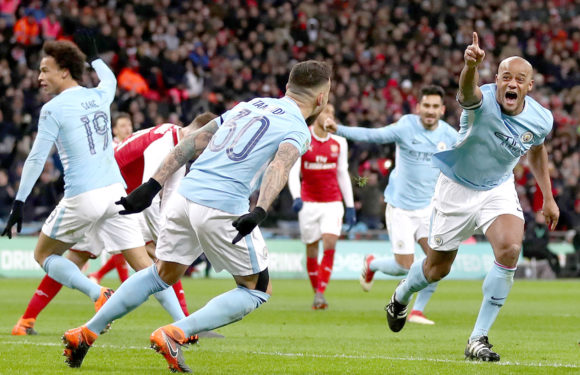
(325, 270)
(312, 268)
(180, 293)
(105, 269)
(47, 289)
(121, 266)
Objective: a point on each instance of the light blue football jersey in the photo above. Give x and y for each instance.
(78, 120)
(231, 167)
(412, 182)
(491, 142)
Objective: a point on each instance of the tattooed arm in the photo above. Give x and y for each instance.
(276, 174)
(274, 180)
(189, 148)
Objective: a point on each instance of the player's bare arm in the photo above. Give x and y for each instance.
(469, 92)
(273, 182)
(276, 174)
(189, 148)
(538, 159)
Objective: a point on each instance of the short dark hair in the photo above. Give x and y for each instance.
(201, 120)
(67, 56)
(432, 90)
(308, 75)
(119, 116)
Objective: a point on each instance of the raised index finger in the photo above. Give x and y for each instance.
(475, 39)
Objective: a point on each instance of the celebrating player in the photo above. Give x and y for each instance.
(77, 120)
(138, 157)
(476, 192)
(122, 129)
(325, 183)
(411, 185)
(256, 141)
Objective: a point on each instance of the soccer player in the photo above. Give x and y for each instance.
(325, 183)
(122, 129)
(138, 157)
(411, 185)
(77, 120)
(256, 141)
(476, 193)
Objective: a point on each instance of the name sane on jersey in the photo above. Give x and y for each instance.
(89, 105)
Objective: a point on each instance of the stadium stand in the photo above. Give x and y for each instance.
(175, 59)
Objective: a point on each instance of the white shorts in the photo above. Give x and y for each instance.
(317, 218)
(91, 221)
(191, 229)
(406, 227)
(151, 220)
(459, 212)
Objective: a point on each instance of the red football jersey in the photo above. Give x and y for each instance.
(140, 155)
(319, 166)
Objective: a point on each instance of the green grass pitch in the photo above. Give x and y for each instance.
(537, 332)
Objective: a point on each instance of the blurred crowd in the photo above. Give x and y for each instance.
(174, 59)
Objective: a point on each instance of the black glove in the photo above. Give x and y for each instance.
(88, 44)
(14, 218)
(140, 198)
(245, 224)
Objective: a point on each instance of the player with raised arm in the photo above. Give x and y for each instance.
(122, 129)
(475, 192)
(318, 201)
(137, 157)
(77, 120)
(255, 145)
(411, 185)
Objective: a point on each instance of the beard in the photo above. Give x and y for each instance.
(310, 119)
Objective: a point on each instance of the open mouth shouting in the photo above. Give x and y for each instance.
(511, 98)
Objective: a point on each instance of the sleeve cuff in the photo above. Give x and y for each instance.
(469, 107)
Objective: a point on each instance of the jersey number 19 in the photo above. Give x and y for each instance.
(99, 122)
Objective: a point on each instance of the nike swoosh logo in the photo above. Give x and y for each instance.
(415, 142)
(172, 350)
(497, 299)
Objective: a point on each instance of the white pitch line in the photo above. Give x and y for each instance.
(310, 355)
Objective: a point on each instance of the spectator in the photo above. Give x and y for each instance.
(50, 27)
(27, 30)
(535, 245)
(209, 55)
(369, 201)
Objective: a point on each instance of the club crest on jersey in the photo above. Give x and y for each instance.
(527, 137)
(334, 148)
(306, 146)
(441, 146)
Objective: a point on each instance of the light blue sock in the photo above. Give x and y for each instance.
(170, 303)
(496, 287)
(68, 274)
(132, 293)
(388, 266)
(424, 296)
(414, 282)
(224, 309)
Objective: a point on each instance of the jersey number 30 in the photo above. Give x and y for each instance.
(231, 125)
(99, 122)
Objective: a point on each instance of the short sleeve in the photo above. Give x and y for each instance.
(299, 139)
